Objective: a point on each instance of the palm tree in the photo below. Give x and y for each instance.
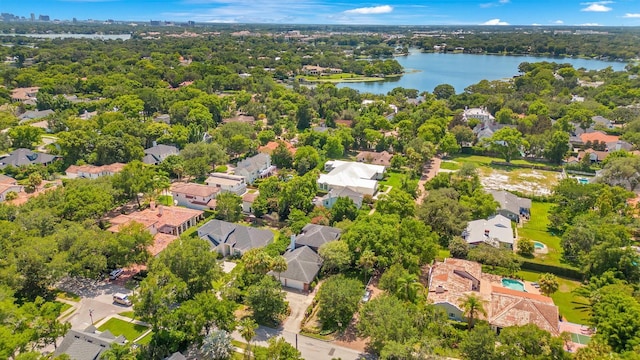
(408, 287)
(367, 261)
(473, 306)
(548, 284)
(248, 331)
(279, 265)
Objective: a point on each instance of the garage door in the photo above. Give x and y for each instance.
(295, 284)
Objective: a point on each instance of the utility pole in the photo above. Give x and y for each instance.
(91, 315)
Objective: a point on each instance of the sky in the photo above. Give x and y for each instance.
(386, 12)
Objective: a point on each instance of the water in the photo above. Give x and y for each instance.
(74, 36)
(538, 245)
(513, 284)
(462, 70)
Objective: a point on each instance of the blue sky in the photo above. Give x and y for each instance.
(392, 12)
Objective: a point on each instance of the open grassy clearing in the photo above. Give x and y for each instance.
(572, 307)
(119, 327)
(536, 230)
(449, 165)
(393, 179)
(146, 339)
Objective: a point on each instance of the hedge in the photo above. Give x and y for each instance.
(565, 272)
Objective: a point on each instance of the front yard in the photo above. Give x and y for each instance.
(119, 327)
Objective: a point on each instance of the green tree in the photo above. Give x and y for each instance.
(508, 142)
(247, 329)
(217, 345)
(548, 284)
(336, 256)
(338, 299)
(343, 209)
(473, 306)
(386, 319)
(444, 91)
(280, 349)
(458, 248)
(557, 147)
(228, 207)
(479, 344)
(306, 159)
(409, 288)
(333, 147)
(525, 247)
(25, 136)
(281, 157)
(616, 316)
(367, 261)
(530, 342)
(303, 116)
(134, 179)
(449, 144)
(396, 202)
(266, 299)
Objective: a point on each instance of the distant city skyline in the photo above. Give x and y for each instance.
(392, 12)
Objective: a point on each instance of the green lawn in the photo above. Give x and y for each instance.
(393, 179)
(67, 296)
(119, 327)
(449, 165)
(443, 254)
(64, 307)
(481, 160)
(165, 200)
(572, 307)
(536, 230)
(129, 314)
(146, 339)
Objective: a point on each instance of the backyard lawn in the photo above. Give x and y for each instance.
(572, 307)
(119, 327)
(536, 230)
(393, 179)
(146, 339)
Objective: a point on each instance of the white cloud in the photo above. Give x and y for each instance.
(494, 4)
(597, 7)
(590, 24)
(383, 9)
(632, 16)
(504, 1)
(495, 22)
(536, 24)
(559, 22)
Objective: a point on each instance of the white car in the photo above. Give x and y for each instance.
(367, 296)
(115, 274)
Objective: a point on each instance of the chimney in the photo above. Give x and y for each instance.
(160, 210)
(152, 205)
(292, 245)
(154, 143)
(486, 232)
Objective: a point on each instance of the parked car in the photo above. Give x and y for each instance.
(115, 274)
(122, 299)
(367, 296)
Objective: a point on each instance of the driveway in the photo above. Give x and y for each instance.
(298, 303)
(96, 303)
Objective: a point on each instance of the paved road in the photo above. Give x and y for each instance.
(310, 348)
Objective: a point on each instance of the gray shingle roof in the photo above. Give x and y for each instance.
(254, 163)
(158, 153)
(176, 356)
(303, 265)
(496, 228)
(241, 237)
(314, 236)
(24, 157)
(87, 345)
(509, 201)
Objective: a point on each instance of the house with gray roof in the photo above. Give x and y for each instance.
(314, 236)
(88, 344)
(157, 153)
(34, 114)
(495, 231)
(511, 206)
(303, 265)
(234, 239)
(26, 157)
(255, 167)
(334, 194)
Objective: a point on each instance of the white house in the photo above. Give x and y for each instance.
(92, 171)
(193, 196)
(495, 231)
(362, 178)
(477, 113)
(5, 189)
(333, 195)
(227, 183)
(255, 167)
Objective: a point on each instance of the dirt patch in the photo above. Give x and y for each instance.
(526, 181)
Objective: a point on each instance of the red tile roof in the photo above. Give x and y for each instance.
(600, 136)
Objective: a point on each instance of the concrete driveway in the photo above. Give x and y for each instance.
(298, 302)
(96, 301)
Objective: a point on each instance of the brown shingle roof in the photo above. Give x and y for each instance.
(515, 308)
(194, 189)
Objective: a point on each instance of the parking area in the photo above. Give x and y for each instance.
(298, 302)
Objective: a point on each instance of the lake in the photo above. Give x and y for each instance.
(427, 70)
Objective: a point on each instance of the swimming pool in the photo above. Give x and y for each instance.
(583, 181)
(538, 245)
(513, 284)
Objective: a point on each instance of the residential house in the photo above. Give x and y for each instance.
(252, 168)
(7, 187)
(312, 70)
(485, 130)
(194, 196)
(477, 113)
(376, 158)
(165, 118)
(247, 201)
(24, 94)
(303, 265)
(26, 157)
(333, 195)
(314, 236)
(602, 122)
(598, 136)
(92, 171)
(227, 183)
(452, 280)
(157, 153)
(362, 178)
(86, 115)
(171, 220)
(234, 239)
(34, 114)
(88, 344)
(241, 118)
(495, 231)
(271, 146)
(511, 206)
(176, 356)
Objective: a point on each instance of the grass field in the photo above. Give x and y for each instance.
(536, 230)
(572, 307)
(129, 314)
(119, 327)
(449, 165)
(393, 179)
(481, 160)
(146, 339)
